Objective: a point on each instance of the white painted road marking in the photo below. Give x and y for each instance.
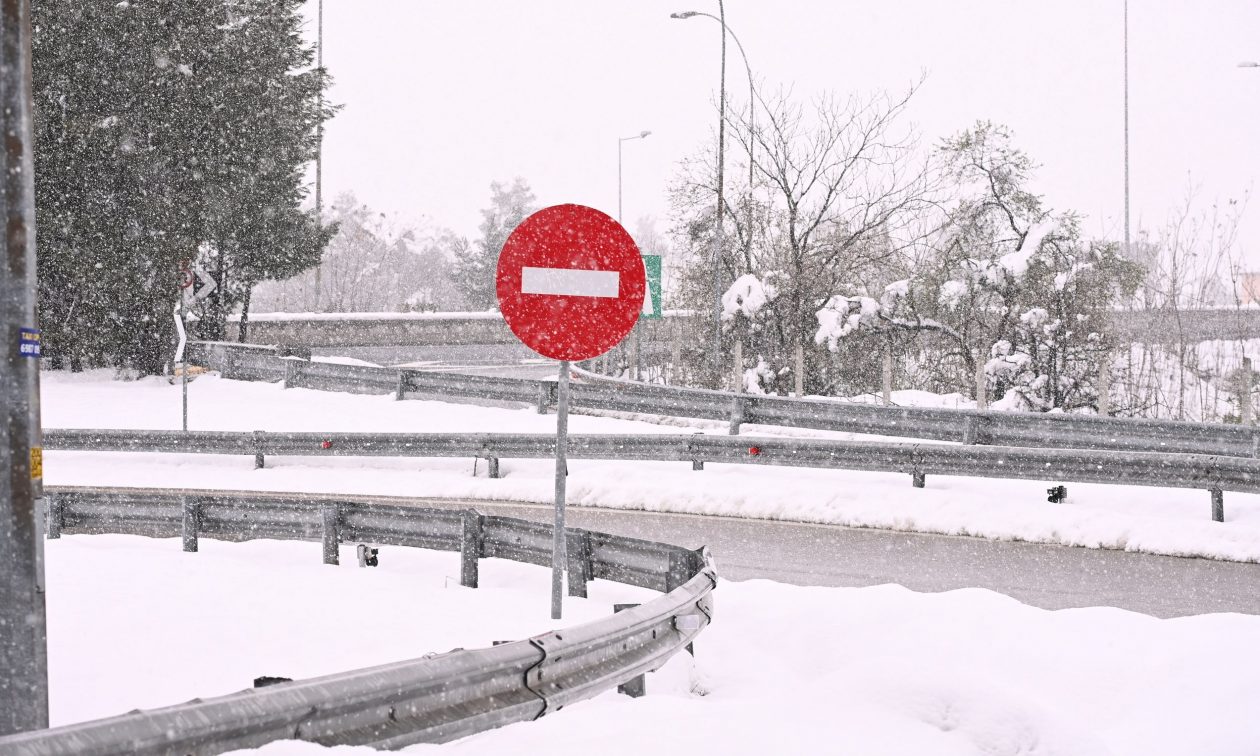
(570, 282)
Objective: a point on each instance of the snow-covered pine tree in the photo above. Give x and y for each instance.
(475, 266)
(165, 129)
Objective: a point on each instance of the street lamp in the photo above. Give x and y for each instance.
(752, 110)
(638, 359)
(620, 141)
(718, 241)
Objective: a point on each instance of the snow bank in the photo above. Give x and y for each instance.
(783, 669)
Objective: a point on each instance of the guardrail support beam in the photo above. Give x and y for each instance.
(1218, 505)
(971, 432)
(578, 551)
(697, 464)
(53, 508)
(918, 479)
(400, 392)
(471, 542)
(737, 416)
(546, 396)
(635, 687)
(260, 459)
(332, 536)
(192, 521)
(492, 467)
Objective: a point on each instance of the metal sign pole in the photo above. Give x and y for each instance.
(558, 555)
(180, 360)
(23, 638)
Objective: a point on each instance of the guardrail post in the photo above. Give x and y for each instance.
(400, 392)
(332, 538)
(52, 515)
(737, 415)
(471, 540)
(260, 445)
(635, 687)
(292, 373)
(1255, 445)
(971, 431)
(192, 521)
(492, 467)
(546, 396)
(918, 479)
(1218, 505)
(578, 551)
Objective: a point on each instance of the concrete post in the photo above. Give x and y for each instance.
(888, 372)
(1104, 386)
(982, 400)
(1245, 413)
(738, 373)
(800, 369)
(1218, 505)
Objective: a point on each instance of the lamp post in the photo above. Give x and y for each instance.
(621, 141)
(638, 360)
(718, 241)
(1128, 252)
(752, 92)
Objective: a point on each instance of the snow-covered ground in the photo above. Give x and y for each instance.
(136, 622)
(1163, 521)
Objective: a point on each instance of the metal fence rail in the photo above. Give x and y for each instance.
(427, 700)
(596, 392)
(1216, 474)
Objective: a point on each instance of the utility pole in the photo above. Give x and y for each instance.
(1128, 253)
(319, 148)
(23, 634)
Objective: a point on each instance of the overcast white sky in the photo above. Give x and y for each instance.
(442, 98)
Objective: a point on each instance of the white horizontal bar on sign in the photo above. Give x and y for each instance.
(570, 282)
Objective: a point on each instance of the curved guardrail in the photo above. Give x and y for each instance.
(427, 700)
(595, 392)
(1215, 474)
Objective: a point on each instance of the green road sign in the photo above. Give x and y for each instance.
(652, 302)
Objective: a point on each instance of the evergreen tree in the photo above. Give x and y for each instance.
(475, 266)
(165, 129)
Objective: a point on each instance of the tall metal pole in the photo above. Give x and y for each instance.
(23, 636)
(638, 358)
(558, 550)
(1127, 250)
(319, 149)
(719, 241)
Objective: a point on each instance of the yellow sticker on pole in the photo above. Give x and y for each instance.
(37, 463)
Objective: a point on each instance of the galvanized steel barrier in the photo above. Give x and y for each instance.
(1215, 474)
(435, 698)
(594, 392)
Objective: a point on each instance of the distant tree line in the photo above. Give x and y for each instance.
(169, 134)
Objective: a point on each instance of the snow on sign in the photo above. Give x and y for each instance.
(570, 282)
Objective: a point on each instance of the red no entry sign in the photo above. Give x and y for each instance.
(570, 282)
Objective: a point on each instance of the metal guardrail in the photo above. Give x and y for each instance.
(595, 392)
(1216, 474)
(432, 699)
